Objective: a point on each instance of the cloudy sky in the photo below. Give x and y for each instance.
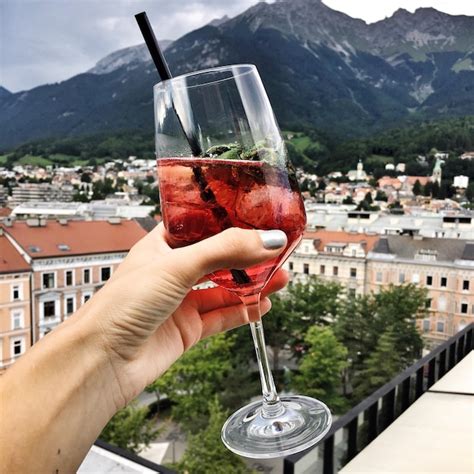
(44, 41)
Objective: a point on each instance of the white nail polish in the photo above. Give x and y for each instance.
(273, 239)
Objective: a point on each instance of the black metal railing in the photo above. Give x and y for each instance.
(363, 423)
(123, 453)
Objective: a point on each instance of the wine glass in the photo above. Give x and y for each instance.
(222, 163)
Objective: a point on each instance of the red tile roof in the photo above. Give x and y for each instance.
(10, 259)
(75, 237)
(5, 211)
(325, 237)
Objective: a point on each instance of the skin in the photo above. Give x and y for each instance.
(58, 397)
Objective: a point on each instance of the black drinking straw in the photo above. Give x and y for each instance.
(164, 72)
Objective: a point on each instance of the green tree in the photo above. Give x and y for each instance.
(381, 196)
(368, 198)
(86, 178)
(348, 200)
(310, 303)
(278, 325)
(417, 188)
(398, 307)
(364, 318)
(380, 366)
(320, 368)
(428, 189)
(194, 379)
(205, 451)
(130, 428)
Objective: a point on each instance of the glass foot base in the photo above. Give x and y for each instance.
(299, 423)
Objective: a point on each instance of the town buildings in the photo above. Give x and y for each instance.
(445, 267)
(26, 192)
(48, 269)
(15, 307)
(365, 263)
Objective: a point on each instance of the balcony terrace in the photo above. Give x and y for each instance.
(421, 421)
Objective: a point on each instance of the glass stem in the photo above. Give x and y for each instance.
(271, 405)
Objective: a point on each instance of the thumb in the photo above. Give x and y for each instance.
(232, 248)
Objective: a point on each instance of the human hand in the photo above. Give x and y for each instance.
(147, 314)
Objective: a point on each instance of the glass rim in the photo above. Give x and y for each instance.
(163, 84)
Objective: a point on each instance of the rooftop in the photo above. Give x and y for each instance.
(441, 250)
(60, 238)
(323, 238)
(10, 259)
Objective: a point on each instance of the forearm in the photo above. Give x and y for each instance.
(55, 401)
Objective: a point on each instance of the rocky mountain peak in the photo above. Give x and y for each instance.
(130, 56)
(4, 92)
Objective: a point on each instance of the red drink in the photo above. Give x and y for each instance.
(202, 197)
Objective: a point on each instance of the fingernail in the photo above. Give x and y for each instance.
(273, 239)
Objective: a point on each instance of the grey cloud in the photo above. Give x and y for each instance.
(44, 41)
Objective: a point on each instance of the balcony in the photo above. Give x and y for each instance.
(421, 421)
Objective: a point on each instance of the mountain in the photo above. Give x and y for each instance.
(4, 92)
(129, 57)
(320, 67)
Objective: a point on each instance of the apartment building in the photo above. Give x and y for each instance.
(27, 192)
(445, 267)
(70, 261)
(365, 263)
(15, 316)
(333, 256)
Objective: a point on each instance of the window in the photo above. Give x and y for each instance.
(322, 269)
(17, 347)
(415, 278)
(429, 280)
(428, 303)
(290, 266)
(401, 277)
(16, 293)
(464, 308)
(86, 298)
(68, 278)
(17, 320)
(105, 273)
(440, 326)
(352, 292)
(335, 271)
(378, 277)
(306, 268)
(49, 309)
(69, 305)
(86, 276)
(353, 272)
(48, 280)
(426, 325)
(465, 285)
(444, 282)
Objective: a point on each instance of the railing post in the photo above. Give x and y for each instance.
(452, 355)
(288, 466)
(352, 431)
(405, 394)
(328, 464)
(460, 354)
(371, 416)
(469, 345)
(388, 409)
(442, 364)
(431, 372)
(419, 382)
